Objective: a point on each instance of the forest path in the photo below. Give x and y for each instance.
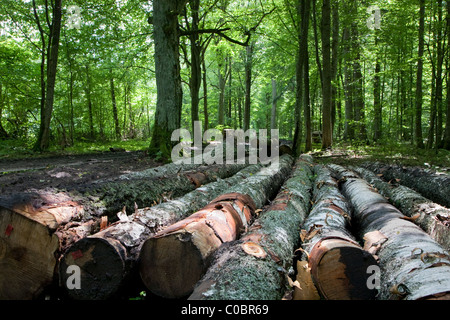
(67, 171)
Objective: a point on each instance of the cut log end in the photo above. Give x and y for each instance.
(161, 270)
(101, 266)
(339, 270)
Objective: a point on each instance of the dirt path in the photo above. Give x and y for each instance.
(68, 172)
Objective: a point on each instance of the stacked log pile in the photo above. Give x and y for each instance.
(39, 225)
(256, 266)
(289, 230)
(175, 259)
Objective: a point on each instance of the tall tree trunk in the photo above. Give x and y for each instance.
(446, 140)
(334, 60)
(114, 106)
(196, 71)
(167, 71)
(348, 88)
(327, 131)
(306, 10)
(273, 113)
(418, 110)
(48, 91)
(221, 108)
(378, 116)
(248, 84)
(88, 90)
(205, 96)
(3, 133)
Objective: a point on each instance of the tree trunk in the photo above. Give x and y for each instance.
(349, 133)
(431, 217)
(3, 133)
(118, 246)
(205, 96)
(413, 266)
(196, 71)
(419, 93)
(192, 241)
(378, 112)
(253, 262)
(431, 185)
(47, 96)
(167, 71)
(273, 112)
(89, 103)
(327, 130)
(114, 106)
(338, 264)
(446, 140)
(248, 84)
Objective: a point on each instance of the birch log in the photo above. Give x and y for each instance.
(338, 263)
(432, 185)
(255, 267)
(413, 265)
(430, 216)
(174, 260)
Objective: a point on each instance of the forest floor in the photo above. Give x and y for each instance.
(68, 171)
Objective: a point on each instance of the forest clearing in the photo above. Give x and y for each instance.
(194, 150)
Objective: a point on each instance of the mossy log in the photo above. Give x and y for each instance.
(413, 266)
(338, 264)
(430, 184)
(117, 247)
(255, 267)
(174, 260)
(430, 216)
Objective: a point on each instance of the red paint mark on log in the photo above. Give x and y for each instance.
(77, 254)
(8, 230)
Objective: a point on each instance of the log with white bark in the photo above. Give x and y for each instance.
(431, 184)
(256, 266)
(338, 264)
(430, 216)
(107, 258)
(413, 265)
(175, 259)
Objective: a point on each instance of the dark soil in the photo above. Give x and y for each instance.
(69, 172)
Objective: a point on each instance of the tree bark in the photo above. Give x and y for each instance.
(192, 241)
(114, 106)
(118, 246)
(431, 217)
(413, 266)
(248, 84)
(378, 111)
(254, 267)
(431, 185)
(327, 130)
(418, 110)
(446, 140)
(48, 85)
(167, 71)
(338, 263)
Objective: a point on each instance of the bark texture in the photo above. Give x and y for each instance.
(165, 257)
(413, 265)
(432, 185)
(338, 263)
(255, 267)
(121, 242)
(430, 216)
